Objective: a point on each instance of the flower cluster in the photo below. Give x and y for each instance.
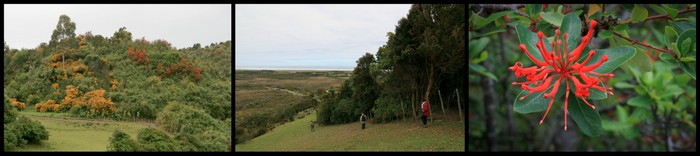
(561, 65)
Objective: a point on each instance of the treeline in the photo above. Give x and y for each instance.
(118, 77)
(424, 55)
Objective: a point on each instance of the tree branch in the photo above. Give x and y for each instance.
(669, 51)
(662, 16)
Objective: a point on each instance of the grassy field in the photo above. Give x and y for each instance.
(262, 91)
(395, 136)
(78, 134)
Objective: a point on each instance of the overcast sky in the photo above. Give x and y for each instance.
(26, 26)
(313, 36)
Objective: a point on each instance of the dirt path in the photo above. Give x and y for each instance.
(286, 90)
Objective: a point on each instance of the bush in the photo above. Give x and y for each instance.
(12, 138)
(207, 141)
(121, 142)
(9, 113)
(32, 131)
(177, 117)
(152, 140)
(76, 110)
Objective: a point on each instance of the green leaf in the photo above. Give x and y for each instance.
(621, 113)
(671, 11)
(648, 78)
(592, 9)
(543, 25)
(529, 38)
(687, 59)
(614, 126)
(616, 56)
(523, 20)
(680, 42)
(536, 102)
(605, 34)
(533, 9)
(675, 48)
(657, 8)
(571, 24)
(587, 119)
(667, 58)
(597, 94)
(688, 67)
(481, 70)
(642, 61)
(492, 32)
(621, 27)
(491, 18)
(639, 115)
(685, 47)
(639, 14)
(477, 46)
(554, 18)
(672, 91)
(623, 85)
(628, 6)
(484, 55)
(640, 101)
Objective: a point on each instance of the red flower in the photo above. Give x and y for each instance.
(558, 65)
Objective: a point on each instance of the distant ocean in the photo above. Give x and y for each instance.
(298, 68)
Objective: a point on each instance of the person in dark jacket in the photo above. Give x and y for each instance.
(312, 126)
(363, 118)
(425, 107)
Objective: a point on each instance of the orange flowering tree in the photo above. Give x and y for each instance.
(98, 104)
(15, 103)
(566, 67)
(71, 97)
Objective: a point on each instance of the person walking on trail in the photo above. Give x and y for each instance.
(312, 126)
(425, 107)
(363, 118)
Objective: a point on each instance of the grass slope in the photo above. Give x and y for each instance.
(78, 134)
(395, 136)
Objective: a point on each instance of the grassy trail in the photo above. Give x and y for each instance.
(395, 136)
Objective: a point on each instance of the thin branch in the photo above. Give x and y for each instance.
(662, 16)
(669, 51)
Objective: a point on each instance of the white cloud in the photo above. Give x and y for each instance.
(182, 25)
(333, 35)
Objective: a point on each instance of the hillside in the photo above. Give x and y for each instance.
(185, 92)
(407, 135)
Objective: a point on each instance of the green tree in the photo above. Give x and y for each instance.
(121, 36)
(63, 35)
(152, 140)
(121, 142)
(365, 92)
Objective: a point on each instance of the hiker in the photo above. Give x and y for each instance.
(426, 112)
(312, 126)
(363, 118)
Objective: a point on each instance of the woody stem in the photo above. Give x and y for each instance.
(669, 51)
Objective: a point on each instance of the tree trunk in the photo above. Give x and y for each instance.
(413, 100)
(403, 111)
(442, 105)
(459, 106)
(490, 103)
